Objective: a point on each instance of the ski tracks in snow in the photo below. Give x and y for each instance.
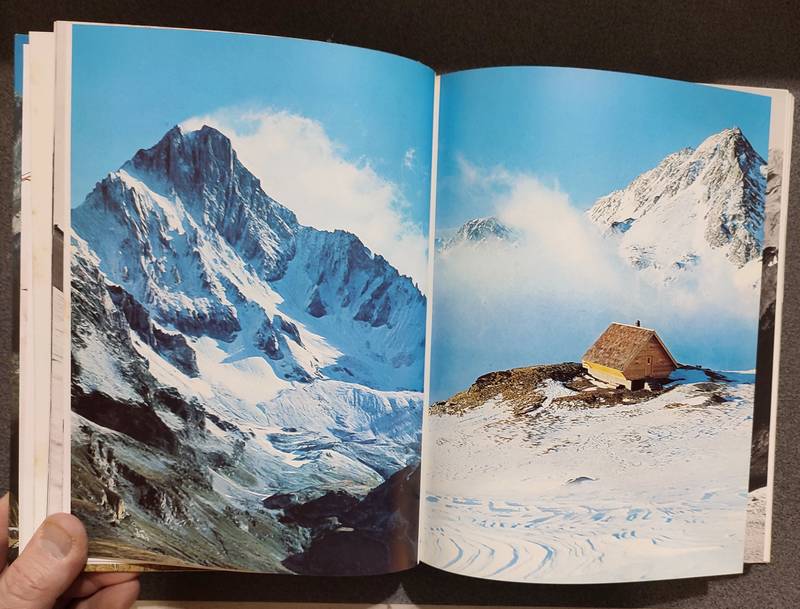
(650, 490)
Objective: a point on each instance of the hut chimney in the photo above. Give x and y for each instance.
(638, 324)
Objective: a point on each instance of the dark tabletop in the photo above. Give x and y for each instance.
(751, 43)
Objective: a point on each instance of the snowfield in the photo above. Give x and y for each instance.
(570, 493)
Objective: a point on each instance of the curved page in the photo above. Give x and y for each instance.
(600, 240)
(249, 232)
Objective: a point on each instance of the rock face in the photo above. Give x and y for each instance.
(172, 346)
(692, 203)
(320, 511)
(376, 535)
(202, 378)
(141, 452)
(515, 386)
(201, 169)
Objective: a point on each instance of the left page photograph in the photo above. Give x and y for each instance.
(249, 221)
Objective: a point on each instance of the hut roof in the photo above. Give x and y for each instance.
(620, 343)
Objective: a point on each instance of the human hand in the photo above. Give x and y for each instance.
(48, 574)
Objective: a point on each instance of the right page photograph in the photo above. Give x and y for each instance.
(597, 297)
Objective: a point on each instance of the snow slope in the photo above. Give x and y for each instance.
(573, 492)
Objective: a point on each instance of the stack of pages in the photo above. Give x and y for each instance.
(296, 307)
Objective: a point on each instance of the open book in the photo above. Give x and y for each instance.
(292, 306)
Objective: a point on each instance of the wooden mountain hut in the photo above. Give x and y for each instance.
(628, 356)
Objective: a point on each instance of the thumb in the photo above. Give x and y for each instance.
(50, 563)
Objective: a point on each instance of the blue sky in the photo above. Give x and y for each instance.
(19, 41)
(130, 85)
(587, 131)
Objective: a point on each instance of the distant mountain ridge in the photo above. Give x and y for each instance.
(477, 232)
(696, 204)
(693, 203)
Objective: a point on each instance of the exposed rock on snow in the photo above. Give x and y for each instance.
(172, 346)
(375, 535)
(521, 388)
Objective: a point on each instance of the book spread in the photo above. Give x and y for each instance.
(289, 306)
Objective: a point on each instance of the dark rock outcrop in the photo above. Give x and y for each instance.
(176, 349)
(515, 385)
(172, 346)
(267, 340)
(279, 501)
(316, 307)
(376, 535)
(220, 322)
(333, 504)
(288, 328)
(139, 421)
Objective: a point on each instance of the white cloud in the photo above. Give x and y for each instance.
(481, 180)
(302, 168)
(408, 158)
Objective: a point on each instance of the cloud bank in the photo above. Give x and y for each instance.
(302, 168)
(547, 297)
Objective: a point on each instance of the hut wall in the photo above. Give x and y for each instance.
(661, 366)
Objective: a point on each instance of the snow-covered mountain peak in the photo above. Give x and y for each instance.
(693, 204)
(202, 168)
(187, 232)
(479, 231)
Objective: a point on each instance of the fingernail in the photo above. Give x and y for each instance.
(55, 541)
